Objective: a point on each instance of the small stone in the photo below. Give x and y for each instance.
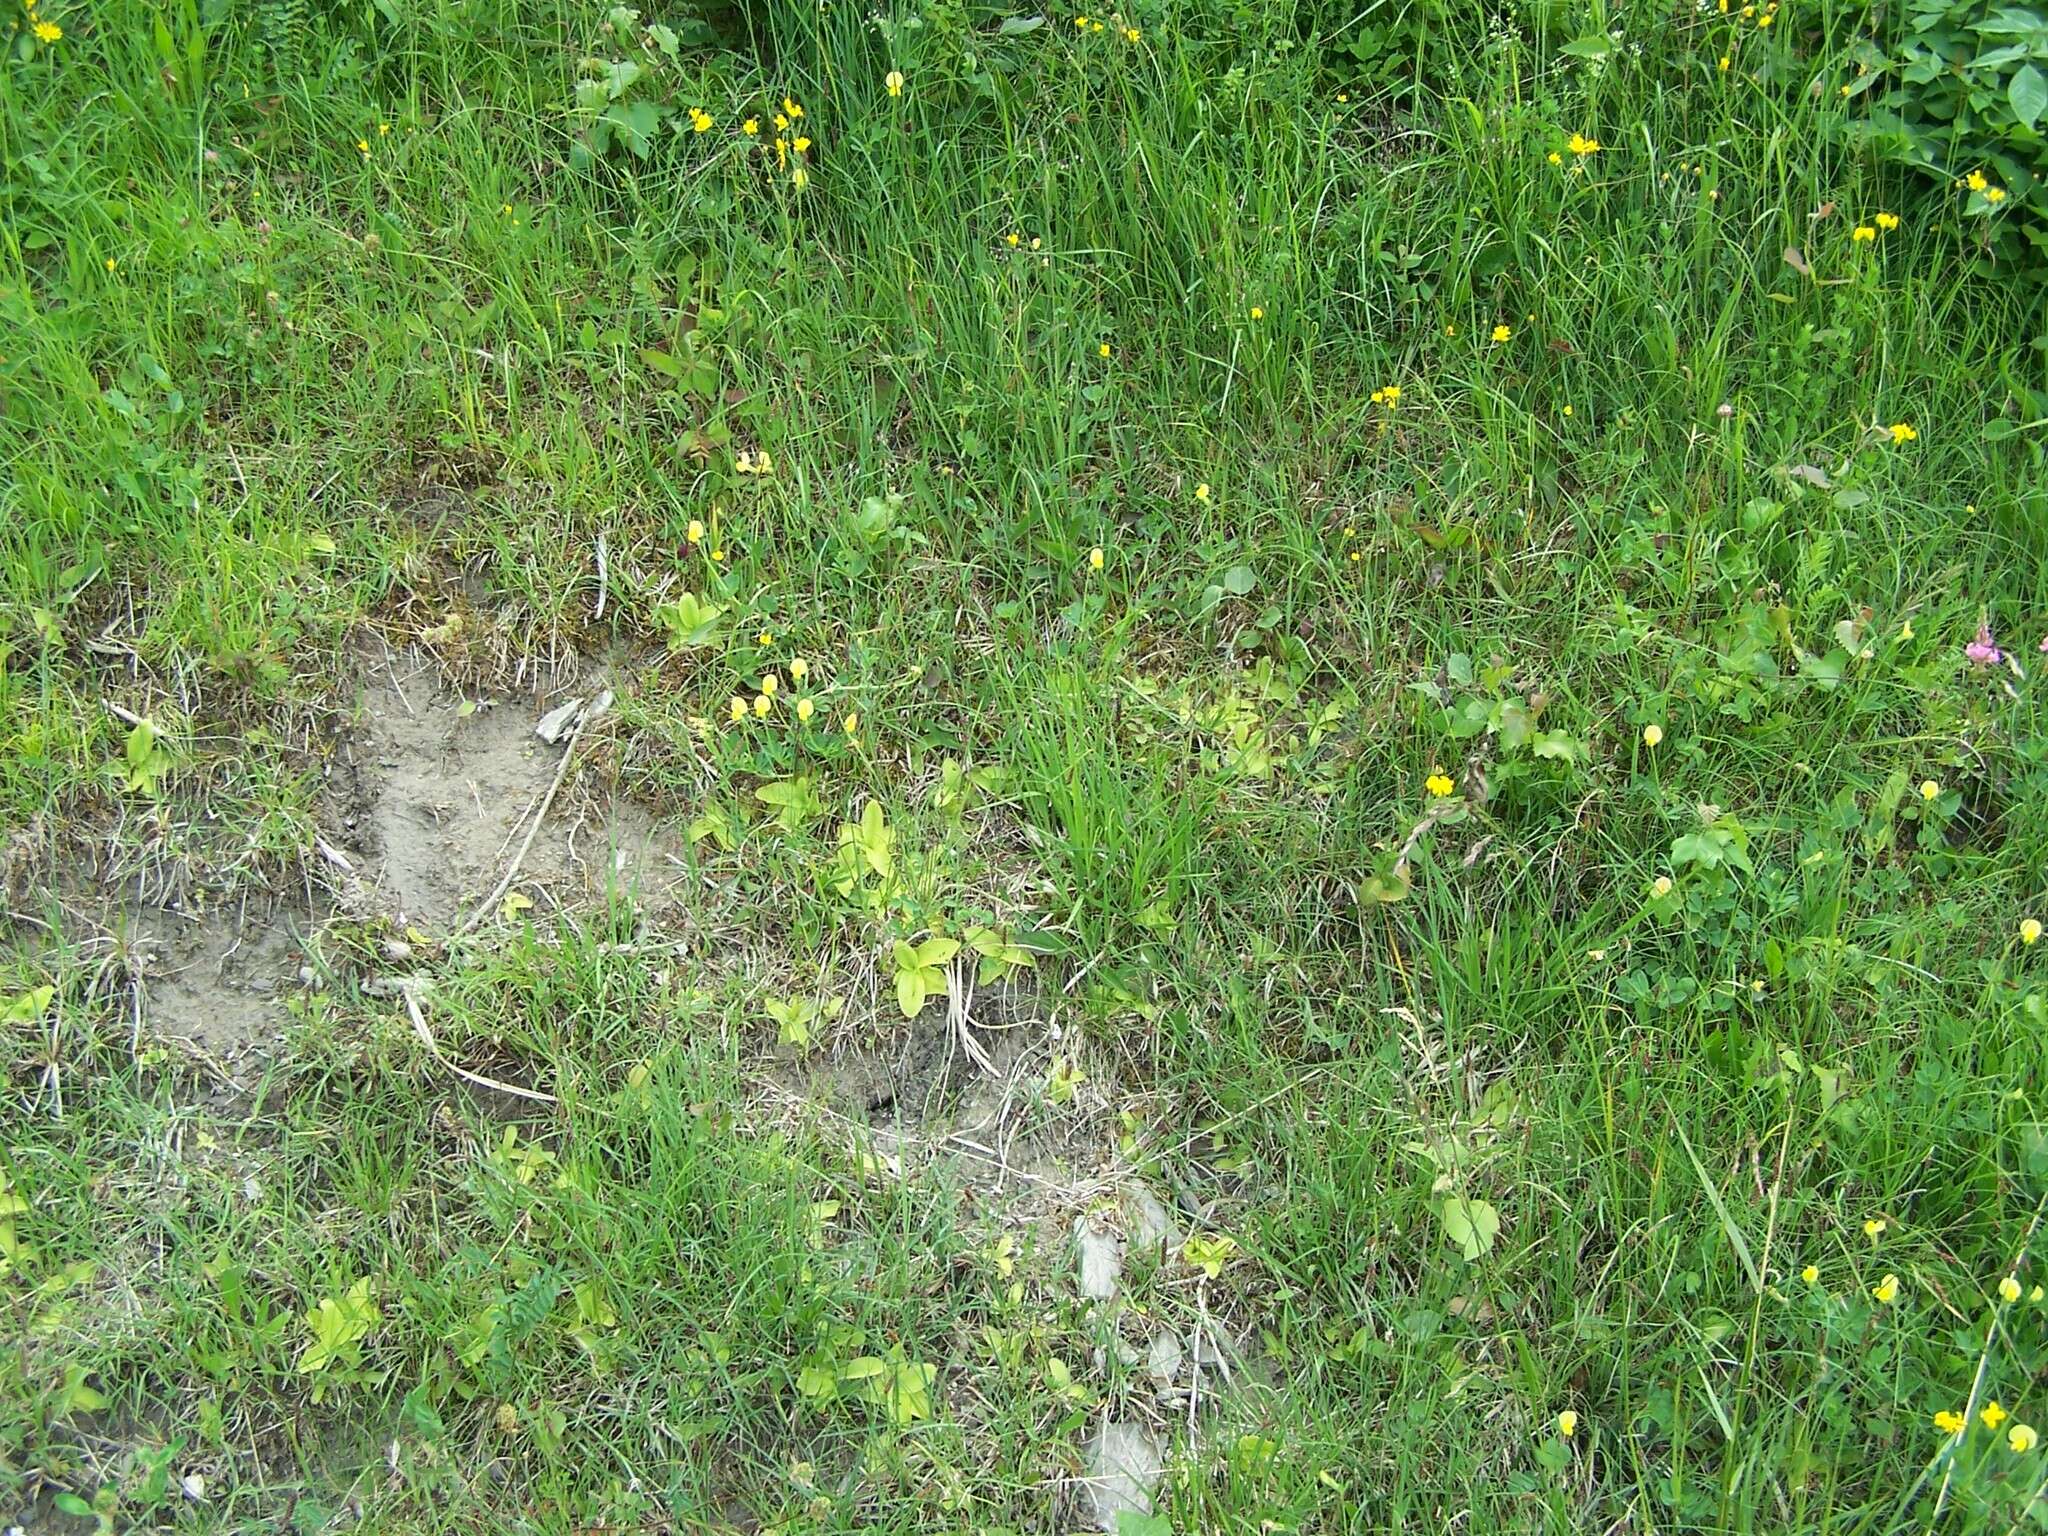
(397, 949)
(194, 1486)
(1124, 1466)
(1101, 1261)
(1164, 1358)
(1151, 1226)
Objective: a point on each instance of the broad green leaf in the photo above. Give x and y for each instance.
(1472, 1224)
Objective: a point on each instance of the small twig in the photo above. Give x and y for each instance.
(598, 707)
(604, 578)
(1195, 1359)
(408, 989)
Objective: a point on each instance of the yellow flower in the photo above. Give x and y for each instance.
(2009, 1288)
(791, 108)
(739, 708)
(762, 703)
(1661, 887)
(1810, 1274)
(799, 178)
(1886, 1290)
(1258, 313)
(48, 31)
(751, 126)
(1992, 1414)
(2036, 1294)
(1582, 146)
(1202, 491)
(700, 120)
(1095, 558)
(695, 532)
(743, 463)
(1500, 334)
(1132, 34)
(1103, 350)
(1975, 181)
(1014, 239)
(1949, 1422)
(1887, 222)
(1036, 243)
(111, 263)
(1652, 734)
(852, 721)
(781, 122)
(1724, 61)
(1567, 1424)
(2030, 930)
(770, 683)
(363, 147)
(383, 129)
(1081, 23)
(1997, 195)
(1766, 19)
(1439, 785)
(765, 638)
(1929, 789)
(1554, 158)
(1874, 1227)
(718, 554)
(1906, 630)
(800, 144)
(2022, 1439)
(799, 669)
(1862, 232)
(803, 710)
(894, 81)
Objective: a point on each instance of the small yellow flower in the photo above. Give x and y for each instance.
(383, 130)
(1810, 1274)
(1013, 239)
(1202, 491)
(695, 532)
(1903, 432)
(700, 120)
(2009, 1289)
(1661, 887)
(111, 263)
(2036, 1295)
(1103, 350)
(1439, 785)
(1554, 158)
(751, 126)
(1582, 146)
(2022, 1439)
(1501, 333)
(852, 721)
(1906, 630)
(1887, 222)
(1992, 1414)
(804, 707)
(739, 708)
(1567, 1424)
(717, 554)
(1874, 1227)
(363, 148)
(1652, 734)
(894, 81)
(799, 669)
(1997, 195)
(1723, 65)
(2030, 930)
(1132, 34)
(800, 144)
(1929, 789)
(1258, 313)
(770, 683)
(1862, 232)
(762, 704)
(799, 178)
(1975, 181)
(1886, 1290)
(1036, 243)
(1095, 558)
(781, 122)
(1949, 1422)
(743, 463)
(791, 108)
(1081, 23)
(48, 31)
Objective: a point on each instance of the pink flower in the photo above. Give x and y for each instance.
(1981, 651)
(2044, 645)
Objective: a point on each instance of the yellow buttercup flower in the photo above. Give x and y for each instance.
(1103, 350)
(1202, 491)
(803, 710)
(1439, 785)
(48, 31)
(791, 108)
(1810, 1274)
(1567, 1424)
(1992, 1414)
(1903, 432)
(2030, 930)
(2009, 1289)
(717, 554)
(894, 81)
(1862, 232)
(1975, 181)
(2022, 1439)
(1258, 313)
(1554, 158)
(1887, 222)
(1500, 334)
(1886, 1290)
(800, 144)
(1996, 195)
(1723, 65)
(1013, 239)
(1652, 734)
(751, 126)
(1949, 1422)
(766, 637)
(700, 120)
(1582, 146)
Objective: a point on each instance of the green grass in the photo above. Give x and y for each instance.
(269, 399)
